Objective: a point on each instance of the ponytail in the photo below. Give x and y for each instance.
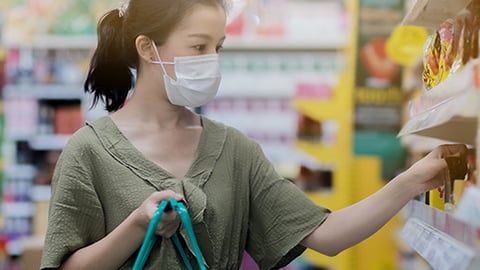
(109, 77)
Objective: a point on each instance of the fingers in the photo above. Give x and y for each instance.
(168, 224)
(453, 150)
(165, 195)
(170, 220)
(448, 152)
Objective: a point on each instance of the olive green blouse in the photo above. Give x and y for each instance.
(235, 198)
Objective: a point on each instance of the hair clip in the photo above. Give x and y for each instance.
(121, 12)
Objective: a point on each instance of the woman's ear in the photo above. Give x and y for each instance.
(145, 48)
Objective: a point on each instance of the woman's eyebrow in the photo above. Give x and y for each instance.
(205, 36)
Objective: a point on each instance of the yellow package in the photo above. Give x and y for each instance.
(431, 61)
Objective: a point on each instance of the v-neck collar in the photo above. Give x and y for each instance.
(210, 146)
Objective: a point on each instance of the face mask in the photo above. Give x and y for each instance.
(198, 79)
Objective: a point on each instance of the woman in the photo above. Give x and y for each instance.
(114, 171)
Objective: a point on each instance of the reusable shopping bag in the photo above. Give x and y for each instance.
(150, 237)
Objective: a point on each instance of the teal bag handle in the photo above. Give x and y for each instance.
(150, 237)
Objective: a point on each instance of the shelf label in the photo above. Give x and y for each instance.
(441, 251)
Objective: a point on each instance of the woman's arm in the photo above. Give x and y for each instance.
(110, 252)
(115, 248)
(349, 226)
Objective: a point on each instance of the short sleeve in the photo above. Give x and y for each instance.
(75, 217)
(281, 216)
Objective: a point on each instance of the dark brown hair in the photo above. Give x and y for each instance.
(110, 76)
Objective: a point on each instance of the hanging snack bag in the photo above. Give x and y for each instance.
(475, 35)
(462, 25)
(474, 8)
(448, 33)
(431, 61)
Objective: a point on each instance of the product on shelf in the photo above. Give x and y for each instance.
(460, 58)
(457, 170)
(472, 168)
(309, 129)
(448, 33)
(451, 46)
(46, 66)
(431, 61)
(406, 43)
(67, 119)
(314, 179)
(3, 56)
(376, 61)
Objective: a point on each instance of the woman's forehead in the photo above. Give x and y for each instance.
(204, 21)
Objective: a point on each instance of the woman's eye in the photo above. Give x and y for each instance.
(199, 47)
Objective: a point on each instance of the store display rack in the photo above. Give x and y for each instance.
(269, 43)
(55, 42)
(42, 105)
(431, 13)
(43, 91)
(450, 107)
(443, 240)
(41, 142)
(418, 144)
(232, 43)
(448, 112)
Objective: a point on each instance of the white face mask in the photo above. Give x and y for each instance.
(198, 79)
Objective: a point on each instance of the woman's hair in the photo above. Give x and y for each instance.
(110, 75)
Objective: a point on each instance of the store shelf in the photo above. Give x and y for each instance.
(41, 192)
(325, 153)
(43, 91)
(431, 13)
(285, 43)
(420, 144)
(56, 42)
(450, 107)
(319, 109)
(23, 171)
(17, 209)
(268, 86)
(48, 142)
(444, 241)
(231, 43)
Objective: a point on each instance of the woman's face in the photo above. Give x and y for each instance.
(202, 31)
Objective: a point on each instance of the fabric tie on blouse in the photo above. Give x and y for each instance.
(195, 198)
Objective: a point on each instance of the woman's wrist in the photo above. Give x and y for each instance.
(405, 185)
(138, 221)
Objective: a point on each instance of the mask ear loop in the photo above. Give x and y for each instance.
(159, 59)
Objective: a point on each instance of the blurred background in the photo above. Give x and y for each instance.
(325, 86)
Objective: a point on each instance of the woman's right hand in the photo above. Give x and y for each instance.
(170, 220)
(431, 171)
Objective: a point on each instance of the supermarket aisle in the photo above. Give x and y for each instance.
(321, 85)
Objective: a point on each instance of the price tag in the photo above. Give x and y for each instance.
(438, 249)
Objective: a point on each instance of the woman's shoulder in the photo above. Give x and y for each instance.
(233, 136)
(229, 131)
(85, 137)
